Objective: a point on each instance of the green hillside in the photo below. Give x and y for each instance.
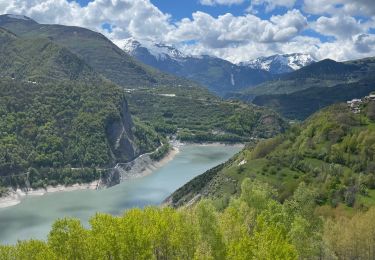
(62, 123)
(50, 129)
(301, 104)
(40, 60)
(195, 115)
(332, 151)
(95, 50)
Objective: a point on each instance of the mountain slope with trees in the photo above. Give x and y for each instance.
(61, 121)
(95, 50)
(301, 104)
(62, 133)
(40, 60)
(195, 115)
(331, 151)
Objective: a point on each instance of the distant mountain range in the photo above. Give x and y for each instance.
(218, 75)
(280, 63)
(298, 94)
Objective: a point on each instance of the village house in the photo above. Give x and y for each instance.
(354, 105)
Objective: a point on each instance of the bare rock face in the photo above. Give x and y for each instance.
(120, 136)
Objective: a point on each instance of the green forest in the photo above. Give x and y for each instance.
(195, 115)
(333, 151)
(305, 194)
(253, 226)
(59, 133)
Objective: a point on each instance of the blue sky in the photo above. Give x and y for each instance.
(185, 8)
(236, 30)
(180, 9)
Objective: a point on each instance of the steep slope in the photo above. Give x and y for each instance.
(332, 151)
(218, 75)
(40, 60)
(61, 122)
(280, 63)
(93, 48)
(48, 130)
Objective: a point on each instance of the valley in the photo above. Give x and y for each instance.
(129, 133)
(67, 122)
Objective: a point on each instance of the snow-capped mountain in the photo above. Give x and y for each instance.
(158, 50)
(280, 63)
(218, 75)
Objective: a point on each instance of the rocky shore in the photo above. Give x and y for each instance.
(15, 197)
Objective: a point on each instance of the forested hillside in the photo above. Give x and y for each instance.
(64, 122)
(301, 104)
(332, 151)
(195, 115)
(95, 50)
(253, 226)
(40, 60)
(49, 129)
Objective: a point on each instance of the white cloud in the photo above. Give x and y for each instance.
(364, 43)
(339, 26)
(272, 4)
(221, 2)
(228, 30)
(365, 7)
(138, 18)
(349, 7)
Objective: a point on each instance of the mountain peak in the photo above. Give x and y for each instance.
(160, 51)
(130, 45)
(16, 17)
(280, 63)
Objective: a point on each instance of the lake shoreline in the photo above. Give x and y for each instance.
(142, 166)
(15, 197)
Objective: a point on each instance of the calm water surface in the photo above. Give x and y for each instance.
(33, 217)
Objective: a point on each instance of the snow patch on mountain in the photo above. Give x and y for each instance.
(158, 50)
(280, 63)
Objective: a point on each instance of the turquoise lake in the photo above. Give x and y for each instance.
(33, 217)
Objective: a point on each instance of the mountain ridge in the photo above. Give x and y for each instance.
(280, 63)
(96, 50)
(218, 75)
